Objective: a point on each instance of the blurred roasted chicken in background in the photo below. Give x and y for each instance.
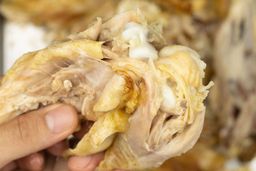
(234, 98)
(223, 32)
(182, 21)
(61, 17)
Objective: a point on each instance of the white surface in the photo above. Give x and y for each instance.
(19, 39)
(136, 35)
(232, 164)
(252, 165)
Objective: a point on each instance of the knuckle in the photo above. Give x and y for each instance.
(26, 131)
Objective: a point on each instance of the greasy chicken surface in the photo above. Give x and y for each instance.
(144, 97)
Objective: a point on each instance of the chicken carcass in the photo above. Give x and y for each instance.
(144, 97)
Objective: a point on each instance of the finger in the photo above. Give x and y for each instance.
(35, 131)
(88, 163)
(10, 167)
(33, 162)
(58, 149)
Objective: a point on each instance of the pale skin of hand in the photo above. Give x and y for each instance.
(22, 139)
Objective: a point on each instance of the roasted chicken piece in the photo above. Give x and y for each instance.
(144, 97)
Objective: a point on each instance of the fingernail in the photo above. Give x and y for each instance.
(60, 119)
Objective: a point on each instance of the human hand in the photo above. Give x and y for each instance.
(32, 132)
(35, 131)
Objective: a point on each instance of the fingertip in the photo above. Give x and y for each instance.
(63, 119)
(79, 163)
(73, 113)
(33, 162)
(74, 120)
(88, 163)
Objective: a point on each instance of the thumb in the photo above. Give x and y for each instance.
(35, 131)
